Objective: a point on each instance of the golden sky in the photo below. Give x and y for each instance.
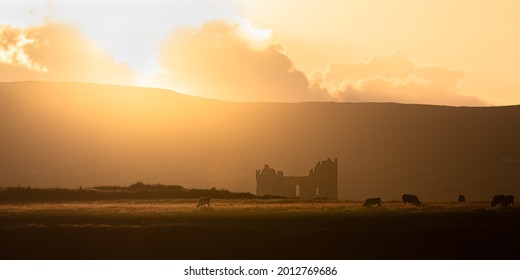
(411, 51)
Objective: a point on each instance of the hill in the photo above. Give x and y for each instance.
(72, 134)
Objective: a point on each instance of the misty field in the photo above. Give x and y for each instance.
(257, 229)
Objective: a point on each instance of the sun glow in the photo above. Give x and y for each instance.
(258, 38)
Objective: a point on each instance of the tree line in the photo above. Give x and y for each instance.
(135, 191)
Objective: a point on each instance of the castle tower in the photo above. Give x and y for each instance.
(325, 178)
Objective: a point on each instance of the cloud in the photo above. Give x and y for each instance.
(56, 52)
(393, 78)
(240, 62)
(13, 42)
(228, 60)
(233, 61)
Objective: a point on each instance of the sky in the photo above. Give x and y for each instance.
(449, 52)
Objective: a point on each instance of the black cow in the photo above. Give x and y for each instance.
(497, 199)
(508, 200)
(411, 198)
(504, 200)
(462, 198)
(372, 201)
(203, 201)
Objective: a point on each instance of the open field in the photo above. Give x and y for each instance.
(257, 229)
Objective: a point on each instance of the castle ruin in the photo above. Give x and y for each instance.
(322, 182)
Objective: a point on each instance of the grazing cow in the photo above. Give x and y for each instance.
(504, 200)
(462, 198)
(411, 198)
(497, 199)
(203, 201)
(508, 200)
(372, 201)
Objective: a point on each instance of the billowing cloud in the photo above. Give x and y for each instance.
(393, 78)
(233, 61)
(56, 52)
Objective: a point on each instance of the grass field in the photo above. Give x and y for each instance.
(258, 229)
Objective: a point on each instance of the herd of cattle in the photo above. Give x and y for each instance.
(503, 200)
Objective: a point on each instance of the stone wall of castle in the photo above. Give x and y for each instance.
(322, 182)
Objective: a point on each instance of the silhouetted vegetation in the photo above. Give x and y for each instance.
(136, 191)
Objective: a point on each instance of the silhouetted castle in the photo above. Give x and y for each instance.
(322, 182)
